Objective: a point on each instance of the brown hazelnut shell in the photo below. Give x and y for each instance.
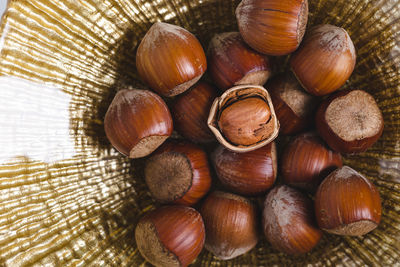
(250, 173)
(178, 172)
(190, 112)
(289, 222)
(231, 224)
(361, 103)
(170, 59)
(293, 106)
(232, 96)
(347, 203)
(306, 161)
(137, 122)
(170, 236)
(324, 60)
(232, 62)
(272, 27)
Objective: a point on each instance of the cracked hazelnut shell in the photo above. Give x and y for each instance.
(243, 118)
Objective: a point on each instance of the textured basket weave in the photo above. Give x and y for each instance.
(67, 198)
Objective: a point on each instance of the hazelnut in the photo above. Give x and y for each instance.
(178, 172)
(288, 221)
(325, 59)
(347, 203)
(243, 118)
(170, 59)
(250, 173)
(231, 224)
(232, 62)
(350, 121)
(293, 106)
(306, 161)
(170, 236)
(190, 112)
(272, 27)
(137, 122)
(236, 126)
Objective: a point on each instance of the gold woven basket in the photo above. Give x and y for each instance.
(67, 198)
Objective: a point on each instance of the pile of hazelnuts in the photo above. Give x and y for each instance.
(245, 119)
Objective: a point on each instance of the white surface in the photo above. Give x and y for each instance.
(34, 121)
(3, 4)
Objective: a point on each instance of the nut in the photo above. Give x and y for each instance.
(306, 161)
(350, 121)
(137, 122)
(231, 224)
(288, 221)
(272, 27)
(293, 106)
(232, 62)
(250, 173)
(325, 59)
(243, 118)
(347, 203)
(190, 112)
(170, 59)
(178, 172)
(170, 236)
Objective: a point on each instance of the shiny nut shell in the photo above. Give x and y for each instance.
(349, 121)
(170, 236)
(307, 160)
(231, 224)
(272, 27)
(178, 172)
(250, 173)
(293, 106)
(170, 59)
(324, 60)
(347, 203)
(190, 112)
(288, 221)
(232, 62)
(137, 122)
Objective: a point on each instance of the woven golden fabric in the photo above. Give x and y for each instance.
(67, 198)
